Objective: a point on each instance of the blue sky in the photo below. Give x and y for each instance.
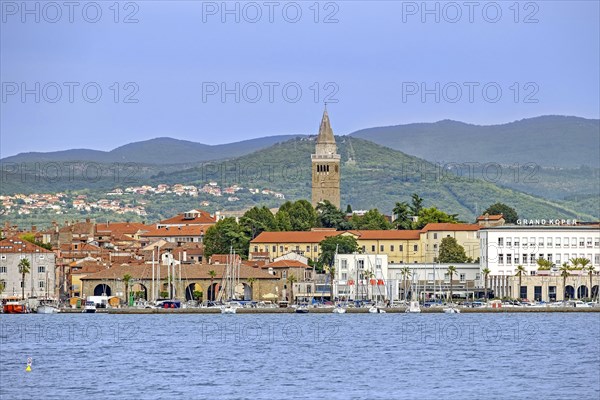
(373, 58)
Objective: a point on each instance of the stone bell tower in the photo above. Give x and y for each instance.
(325, 166)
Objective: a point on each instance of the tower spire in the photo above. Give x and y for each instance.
(325, 131)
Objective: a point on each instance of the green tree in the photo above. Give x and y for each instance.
(565, 272)
(433, 215)
(509, 213)
(126, 279)
(402, 215)
(486, 272)
(591, 269)
(451, 271)
(329, 216)
(343, 244)
(226, 234)
(302, 215)
(348, 209)
(451, 251)
(23, 270)
(543, 264)
(283, 222)
(520, 271)
(372, 220)
(416, 204)
(257, 220)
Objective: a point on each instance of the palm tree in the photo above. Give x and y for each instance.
(520, 270)
(486, 272)
(405, 271)
(543, 264)
(212, 275)
(331, 277)
(590, 269)
(291, 280)
(564, 272)
(126, 279)
(23, 270)
(451, 271)
(251, 281)
(368, 274)
(575, 262)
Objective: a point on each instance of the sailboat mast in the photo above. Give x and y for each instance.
(153, 297)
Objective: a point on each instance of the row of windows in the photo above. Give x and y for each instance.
(322, 168)
(316, 248)
(392, 248)
(4, 270)
(360, 264)
(3, 257)
(549, 242)
(554, 258)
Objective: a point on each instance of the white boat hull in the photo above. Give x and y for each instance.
(228, 310)
(339, 310)
(451, 311)
(46, 309)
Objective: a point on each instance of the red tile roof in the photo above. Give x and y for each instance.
(286, 264)
(115, 228)
(17, 245)
(443, 226)
(189, 230)
(203, 217)
(294, 236)
(392, 234)
(490, 217)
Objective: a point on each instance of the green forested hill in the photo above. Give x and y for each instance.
(372, 176)
(550, 140)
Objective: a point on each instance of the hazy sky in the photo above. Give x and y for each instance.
(372, 60)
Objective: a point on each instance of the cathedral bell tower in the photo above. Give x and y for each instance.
(325, 166)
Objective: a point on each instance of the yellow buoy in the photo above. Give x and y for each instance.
(28, 369)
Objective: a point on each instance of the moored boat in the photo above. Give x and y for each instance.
(302, 309)
(15, 307)
(451, 310)
(413, 307)
(228, 309)
(89, 308)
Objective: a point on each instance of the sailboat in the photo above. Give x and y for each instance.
(46, 305)
(414, 306)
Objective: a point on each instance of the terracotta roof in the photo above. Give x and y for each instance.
(223, 258)
(120, 227)
(490, 217)
(189, 230)
(286, 264)
(392, 234)
(450, 227)
(17, 245)
(79, 228)
(294, 236)
(80, 247)
(203, 217)
(188, 272)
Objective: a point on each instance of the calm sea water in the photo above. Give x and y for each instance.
(350, 356)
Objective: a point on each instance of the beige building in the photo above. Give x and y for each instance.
(325, 166)
(400, 246)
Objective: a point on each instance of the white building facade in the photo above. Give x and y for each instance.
(39, 282)
(361, 277)
(504, 248)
